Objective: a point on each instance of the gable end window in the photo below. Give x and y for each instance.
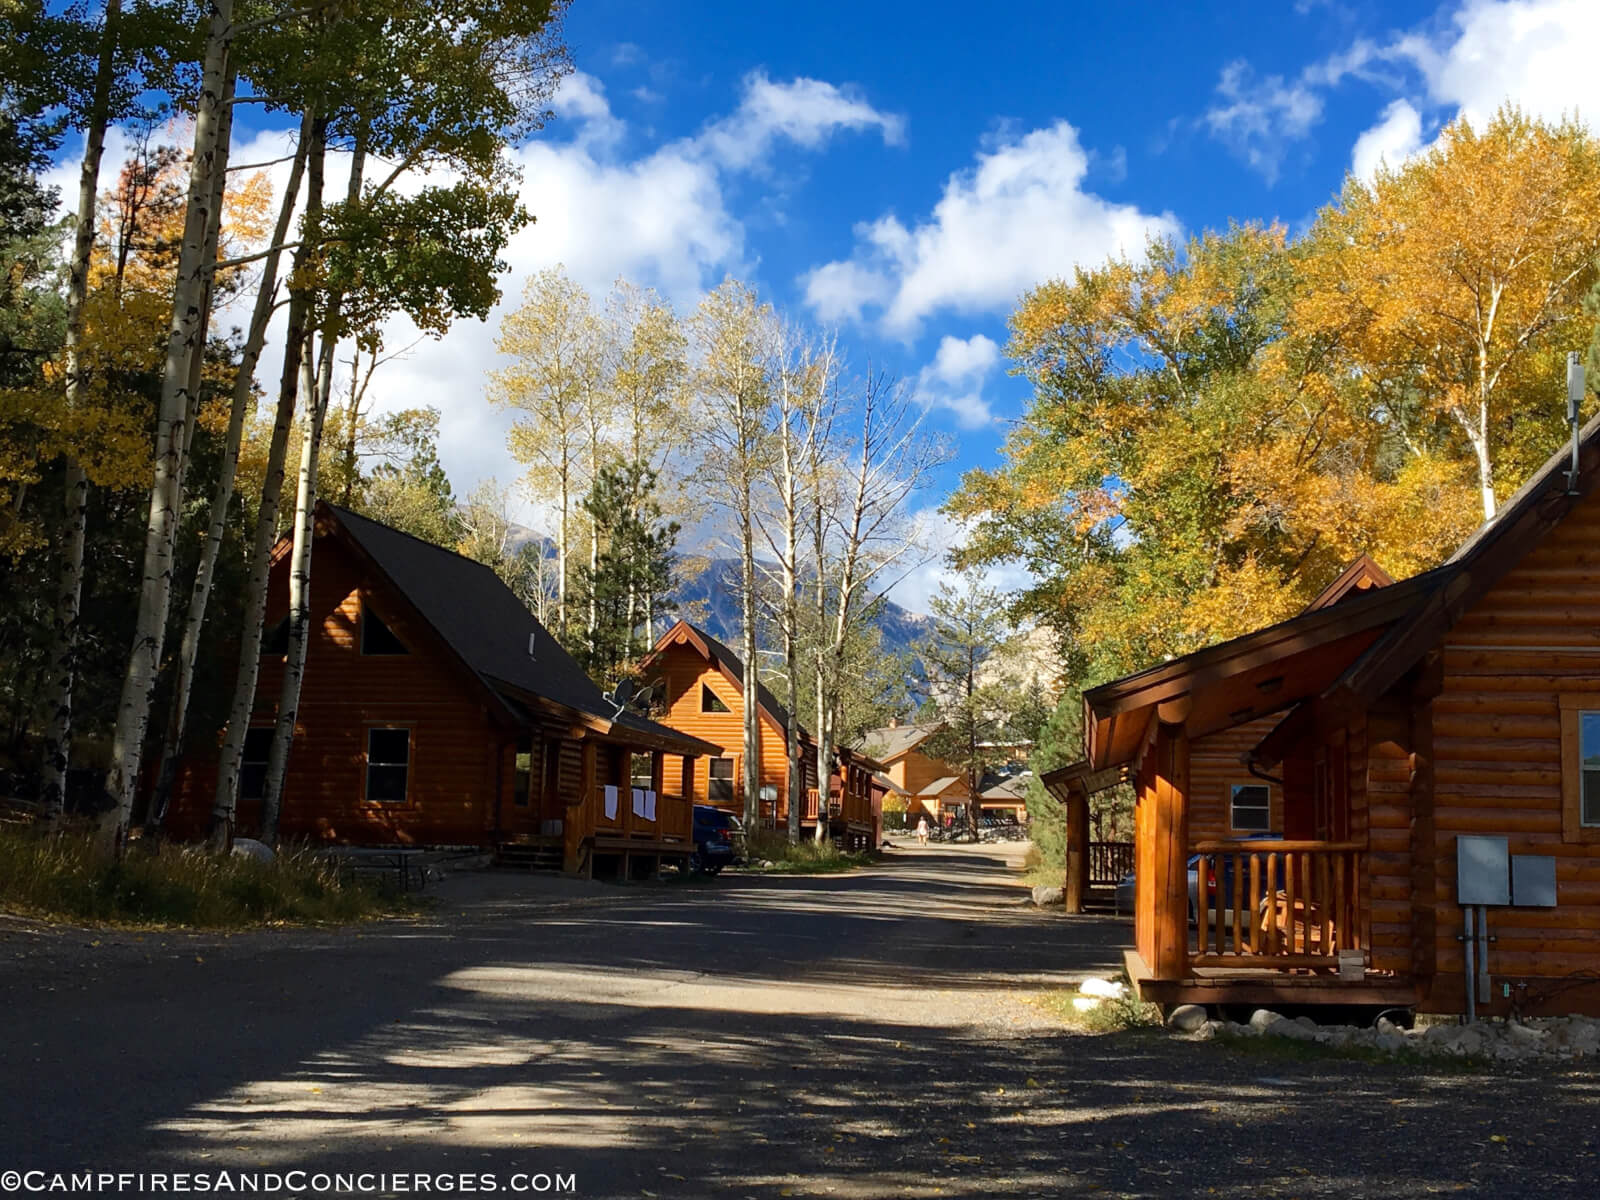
(275, 642)
(1250, 808)
(1580, 767)
(376, 637)
(388, 765)
(710, 702)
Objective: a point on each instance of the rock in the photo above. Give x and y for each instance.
(1104, 988)
(1187, 1018)
(1086, 1003)
(1391, 1041)
(250, 848)
(1046, 895)
(1525, 1033)
(1386, 1026)
(1263, 1019)
(1307, 1022)
(1290, 1030)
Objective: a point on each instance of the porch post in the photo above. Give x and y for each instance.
(1170, 853)
(578, 819)
(1077, 883)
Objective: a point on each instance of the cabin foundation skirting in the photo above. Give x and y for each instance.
(1267, 988)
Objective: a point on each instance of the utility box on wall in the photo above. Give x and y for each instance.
(1483, 870)
(1533, 881)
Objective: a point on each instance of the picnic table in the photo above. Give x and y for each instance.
(406, 865)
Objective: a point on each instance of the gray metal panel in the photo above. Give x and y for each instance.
(1483, 870)
(1533, 881)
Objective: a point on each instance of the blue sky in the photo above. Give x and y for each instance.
(903, 171)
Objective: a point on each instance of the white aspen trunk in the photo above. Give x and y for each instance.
(299, 596)
(319, 393)
(225, 802)
(1479, 437)
(185, 339)
(561, 550)
(222, 497)
(69, 591)
(752, 694)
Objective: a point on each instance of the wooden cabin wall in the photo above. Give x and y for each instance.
(684, 672)
(1497, 742)
(453, 776)
(1216, 763)
(1386, 782)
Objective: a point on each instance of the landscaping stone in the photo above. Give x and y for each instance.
(1187, 1018)
(1105, 988)
(1539, 1038)
(1046, 895)
(250, 848)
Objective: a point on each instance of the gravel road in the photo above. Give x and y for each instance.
(863, 1035)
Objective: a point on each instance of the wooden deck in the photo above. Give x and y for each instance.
(1232, 985)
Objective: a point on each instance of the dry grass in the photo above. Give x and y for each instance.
(806, 857)
(1112, 1015)
(68, 879)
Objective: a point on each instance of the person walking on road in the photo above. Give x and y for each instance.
(922, 831)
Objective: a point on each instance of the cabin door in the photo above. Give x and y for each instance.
(520, 818)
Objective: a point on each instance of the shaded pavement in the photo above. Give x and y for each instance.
(861, 1035)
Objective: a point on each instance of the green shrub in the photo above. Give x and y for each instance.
(805, 856)
(68, 879)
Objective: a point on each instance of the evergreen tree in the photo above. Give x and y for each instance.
(633, 567)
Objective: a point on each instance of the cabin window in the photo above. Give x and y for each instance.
(1252, 807)
(388, 765)
(376, 637)
(275, 642)
(1589, 761)
(710, 702)
(253, 763)
(1580, 766)
(522, 783)
(720, 791)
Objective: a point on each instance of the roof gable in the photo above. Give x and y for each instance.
(1362, 575)
(894, 741)
(483, 623)
(717, 654)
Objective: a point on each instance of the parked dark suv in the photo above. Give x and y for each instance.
(717, 839)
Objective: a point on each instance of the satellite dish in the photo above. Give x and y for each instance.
(623, 693)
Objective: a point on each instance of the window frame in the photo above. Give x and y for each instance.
(265, 765)
(1234, 789)
(367, 764)
(731, 781)
(717, 703)
(1573, 706)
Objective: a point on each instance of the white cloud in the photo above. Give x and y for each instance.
(937, 534)
(1538, 53)
(954, 379)
(1259, 117)
(1395, 138)
(1020, 215)
(804, 111)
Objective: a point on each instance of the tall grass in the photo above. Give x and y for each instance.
(806, 856)
(68, 879)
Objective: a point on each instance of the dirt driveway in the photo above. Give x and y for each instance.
(860, 1035)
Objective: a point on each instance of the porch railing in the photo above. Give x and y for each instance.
(1109, 862)
(1276, 903)
(811, 804)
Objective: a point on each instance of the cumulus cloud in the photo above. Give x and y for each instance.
(1259, 117)
(954, 379)
(1538, 53)
(1020, 215)
(805, 112)
(1395, 138)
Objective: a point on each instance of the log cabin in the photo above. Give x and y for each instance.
(1392, 798)
(703, 691)
(436, 711)
(932, 787)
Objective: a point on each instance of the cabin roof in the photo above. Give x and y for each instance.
(1362, 575)
(484, 624)
(1347, 649)
(719, 655)
(1012, 787)
(891, 741)
(1059, 781)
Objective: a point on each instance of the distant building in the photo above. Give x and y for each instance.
(932, 787)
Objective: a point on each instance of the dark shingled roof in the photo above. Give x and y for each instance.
(892, 741)
(484, 623)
